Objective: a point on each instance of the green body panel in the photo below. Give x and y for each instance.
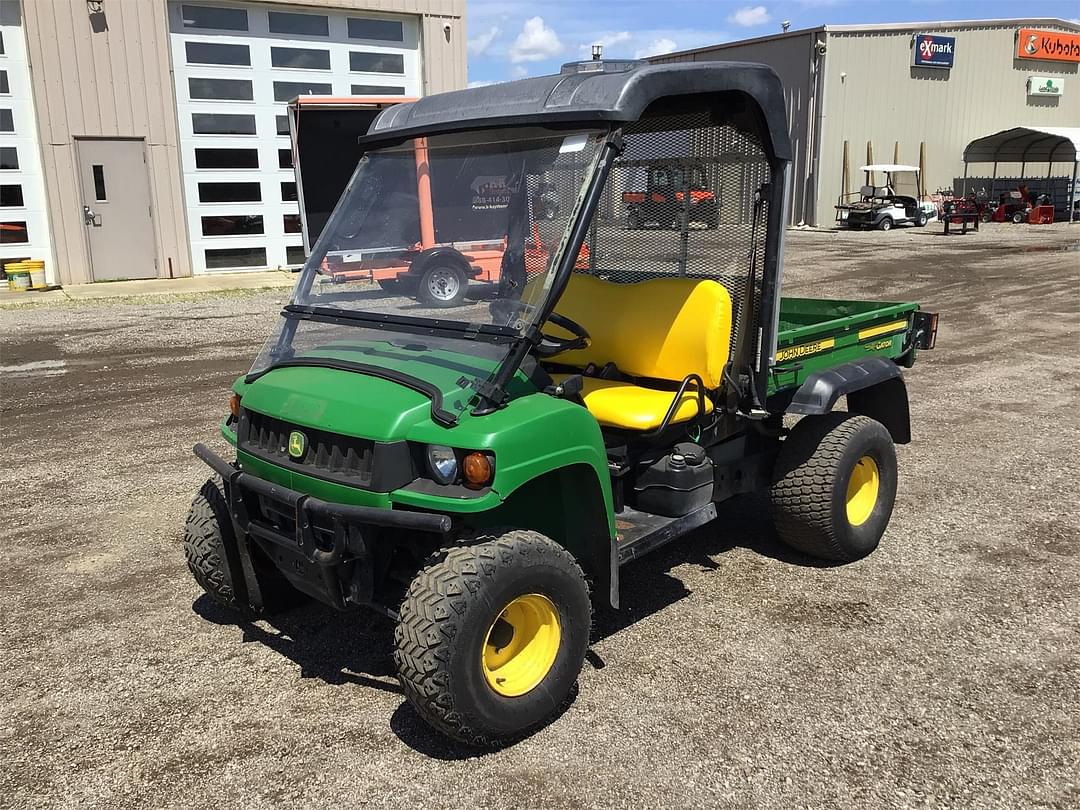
(534, 434)
(351, 403)
(818, 334)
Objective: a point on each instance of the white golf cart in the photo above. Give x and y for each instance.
(895, 202)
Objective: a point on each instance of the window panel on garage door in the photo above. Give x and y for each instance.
(236, 66)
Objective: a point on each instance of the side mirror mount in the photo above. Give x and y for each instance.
(570, 388)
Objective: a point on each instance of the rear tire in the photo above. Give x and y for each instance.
(835, 485)
(207, 530)
(921, 220)
(519, 590)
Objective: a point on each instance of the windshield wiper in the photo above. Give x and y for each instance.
(438, 413)
(489, 333)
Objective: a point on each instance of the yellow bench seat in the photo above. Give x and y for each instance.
(660, 329)
(624, 405)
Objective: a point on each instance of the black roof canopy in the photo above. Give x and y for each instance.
(587, 99)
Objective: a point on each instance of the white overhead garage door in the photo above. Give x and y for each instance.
(236, 66)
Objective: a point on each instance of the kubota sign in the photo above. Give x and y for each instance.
(1053, 46)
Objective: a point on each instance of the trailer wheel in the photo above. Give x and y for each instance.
(207, 531)
(835, 484)
(492, 636)
(885, 224)
(634, 221)
(442, 285)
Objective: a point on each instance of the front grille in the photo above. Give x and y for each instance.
(326, 455)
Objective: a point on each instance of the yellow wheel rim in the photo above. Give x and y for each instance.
(521, 645)
(862, 491)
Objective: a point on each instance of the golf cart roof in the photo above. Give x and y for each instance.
(888, 167)
(588, 99)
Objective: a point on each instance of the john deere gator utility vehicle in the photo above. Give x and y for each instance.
(479, 474)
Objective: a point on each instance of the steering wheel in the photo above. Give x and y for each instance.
(550, 346)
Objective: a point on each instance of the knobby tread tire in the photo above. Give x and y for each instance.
(207, 529)
(208, 526)
(433, 619)
(803, 497)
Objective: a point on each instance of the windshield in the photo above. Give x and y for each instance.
(453, 238)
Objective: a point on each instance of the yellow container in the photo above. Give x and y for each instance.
(36, 267)
(18, 278)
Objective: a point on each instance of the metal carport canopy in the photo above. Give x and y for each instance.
(1026, 145)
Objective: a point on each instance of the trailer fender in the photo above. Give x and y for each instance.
(874, 387)
(445, 254)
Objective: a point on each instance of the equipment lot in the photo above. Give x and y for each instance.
(942, 670)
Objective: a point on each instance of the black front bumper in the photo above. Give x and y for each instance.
(324, 534)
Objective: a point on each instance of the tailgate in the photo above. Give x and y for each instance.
(816, 334)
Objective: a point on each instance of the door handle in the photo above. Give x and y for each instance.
(90, 218)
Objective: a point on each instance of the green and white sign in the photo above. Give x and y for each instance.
(1046, 86)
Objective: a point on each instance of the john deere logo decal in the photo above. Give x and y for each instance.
(297, 444)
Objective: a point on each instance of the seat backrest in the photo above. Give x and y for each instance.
(663, 328)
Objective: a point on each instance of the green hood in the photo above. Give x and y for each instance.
(358, 404)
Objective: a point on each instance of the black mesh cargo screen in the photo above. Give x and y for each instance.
(684, 199)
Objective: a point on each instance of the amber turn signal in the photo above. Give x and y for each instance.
(477, 470)
(234, 405)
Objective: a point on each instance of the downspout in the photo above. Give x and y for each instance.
(810, 200)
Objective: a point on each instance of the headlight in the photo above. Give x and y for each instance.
(442, 463)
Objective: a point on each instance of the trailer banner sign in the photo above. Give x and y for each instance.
(933, 51)
(1053, 46)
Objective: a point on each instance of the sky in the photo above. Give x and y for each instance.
(511, 40)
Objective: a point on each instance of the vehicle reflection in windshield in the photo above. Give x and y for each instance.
(447, 238)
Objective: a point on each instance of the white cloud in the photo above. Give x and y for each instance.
(608, 41)
(749, 16)
(535, 43)
(519, 72)
(658, 46)
(479, 45)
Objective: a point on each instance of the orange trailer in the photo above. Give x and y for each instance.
(324, 131)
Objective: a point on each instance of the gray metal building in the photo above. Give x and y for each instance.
(861, 84)
(145, 138)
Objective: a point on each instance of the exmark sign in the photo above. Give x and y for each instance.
(933, 51)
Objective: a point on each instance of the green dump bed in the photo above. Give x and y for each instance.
(817, 334)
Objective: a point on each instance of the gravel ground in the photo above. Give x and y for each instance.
(944, 670)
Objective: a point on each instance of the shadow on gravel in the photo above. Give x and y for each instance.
(646, 586)
(356, 647)
(336, 648)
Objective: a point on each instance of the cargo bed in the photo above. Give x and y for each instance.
(815, 334)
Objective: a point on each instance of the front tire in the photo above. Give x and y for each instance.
(492, 636)
(885, 224)
(1019, 218)
(835, 485)
(442, 286)
(207, 531)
